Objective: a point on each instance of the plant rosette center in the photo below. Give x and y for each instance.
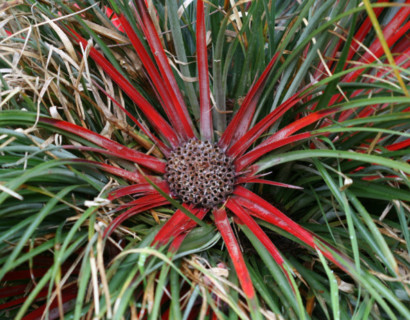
(199, 173)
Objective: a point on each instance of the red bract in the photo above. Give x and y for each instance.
(237, 141)
(202, 57)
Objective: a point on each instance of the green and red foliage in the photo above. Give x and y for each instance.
(312, 110)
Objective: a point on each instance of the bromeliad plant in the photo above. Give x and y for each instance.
(210, 162)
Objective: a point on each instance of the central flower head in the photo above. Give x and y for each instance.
(198, 172)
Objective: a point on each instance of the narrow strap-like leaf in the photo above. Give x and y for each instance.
(234, 206)
(252, 135)
(170, 103)
(159, 123)
(178, 223)
(359, 36)
(399, 145)
(136, 189)
(362, 32)
(140, 205)
(243, 118)
(161, 58)
(158, 166)
(111, 147)
(242, 180)
(392, 32)
(253, 155)
(164, 149)
(284, 134)
(224, 227)
(267, 212)
(125, 174)
(202, 62)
